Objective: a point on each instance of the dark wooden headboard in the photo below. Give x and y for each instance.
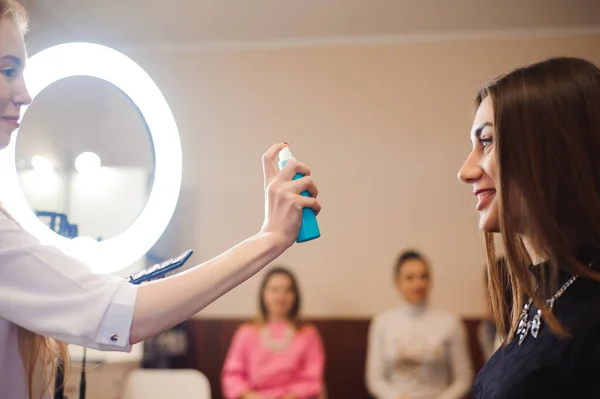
(345, 348)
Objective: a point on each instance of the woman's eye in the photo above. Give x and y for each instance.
(486, 142)
(9, 72)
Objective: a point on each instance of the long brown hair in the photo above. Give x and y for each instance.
(294, 314)
(501, 270)
(40, 355)
(547, 147)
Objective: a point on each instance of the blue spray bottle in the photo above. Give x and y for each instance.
(309, 228)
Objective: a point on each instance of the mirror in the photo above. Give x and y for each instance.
(84, 158)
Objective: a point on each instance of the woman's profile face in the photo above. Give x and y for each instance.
(479, 169)
(13, 93)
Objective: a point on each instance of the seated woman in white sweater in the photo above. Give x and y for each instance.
(415, 352)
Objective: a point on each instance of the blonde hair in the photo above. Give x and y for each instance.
(15, 11)
(41, 355)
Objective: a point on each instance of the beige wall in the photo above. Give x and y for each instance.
(384, 128)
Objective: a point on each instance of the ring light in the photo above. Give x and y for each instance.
(86, 59)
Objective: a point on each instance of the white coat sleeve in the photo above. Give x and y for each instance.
(49, 293)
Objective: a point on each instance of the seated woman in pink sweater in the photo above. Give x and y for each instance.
(278, 356)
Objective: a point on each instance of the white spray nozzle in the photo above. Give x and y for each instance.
(285, 154)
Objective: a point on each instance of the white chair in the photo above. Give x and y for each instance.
(166, 384)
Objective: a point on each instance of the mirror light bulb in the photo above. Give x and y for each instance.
(87, 162)
(41, 164)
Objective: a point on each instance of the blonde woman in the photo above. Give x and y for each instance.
(48, 300)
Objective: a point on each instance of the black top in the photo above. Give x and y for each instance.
(549, 367)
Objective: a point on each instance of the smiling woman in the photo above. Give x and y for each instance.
(536, 140)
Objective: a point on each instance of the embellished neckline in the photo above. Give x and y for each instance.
(277, 335)
(541, 272)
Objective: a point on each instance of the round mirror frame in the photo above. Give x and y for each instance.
(87, 59)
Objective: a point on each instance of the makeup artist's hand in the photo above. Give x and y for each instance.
(283, 202)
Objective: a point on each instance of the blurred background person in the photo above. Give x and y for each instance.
(277, 356)
(415, 352)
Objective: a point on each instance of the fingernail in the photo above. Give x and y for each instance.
(285, 142)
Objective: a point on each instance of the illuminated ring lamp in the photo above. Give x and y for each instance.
(86, 59)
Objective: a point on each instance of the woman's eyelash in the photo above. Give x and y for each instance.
(485, 141)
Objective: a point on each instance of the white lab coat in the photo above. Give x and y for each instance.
(49, 293)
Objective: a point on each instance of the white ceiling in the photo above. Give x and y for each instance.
(198, 22)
